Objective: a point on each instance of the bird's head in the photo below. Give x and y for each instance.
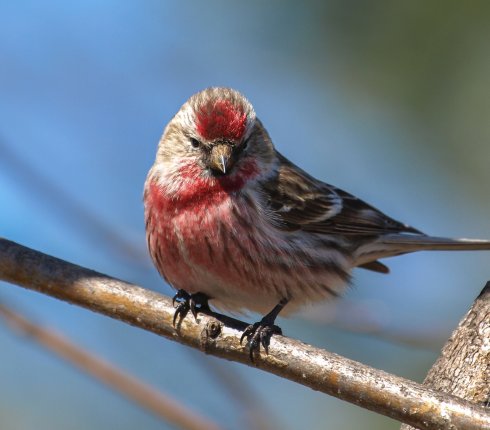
(216, 135)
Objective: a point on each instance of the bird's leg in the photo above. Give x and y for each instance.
(261, 332)
(189, 302)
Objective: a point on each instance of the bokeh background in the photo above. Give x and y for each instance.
(388, 100)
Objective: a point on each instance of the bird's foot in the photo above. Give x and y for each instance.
(260, 333)
(197, 302)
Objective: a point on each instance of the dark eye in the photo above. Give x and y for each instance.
(195, 143)
(245, 144)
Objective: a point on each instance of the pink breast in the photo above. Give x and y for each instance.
(193, 237)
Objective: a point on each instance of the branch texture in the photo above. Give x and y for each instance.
(218, 335)
(463, 369)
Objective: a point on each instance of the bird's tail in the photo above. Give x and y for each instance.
(396, 244)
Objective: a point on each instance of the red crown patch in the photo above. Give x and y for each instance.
(221, 120)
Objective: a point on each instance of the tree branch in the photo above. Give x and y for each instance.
(218, 335)
(463, 369)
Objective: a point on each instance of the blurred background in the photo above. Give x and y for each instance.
(388, 100)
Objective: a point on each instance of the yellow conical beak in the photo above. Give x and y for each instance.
(221, 158)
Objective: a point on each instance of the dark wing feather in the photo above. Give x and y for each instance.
(375, 266)
(297, 201)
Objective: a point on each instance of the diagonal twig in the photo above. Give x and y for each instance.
(162, 405)
(74, 211)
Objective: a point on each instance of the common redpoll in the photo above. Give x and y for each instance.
(229, 219)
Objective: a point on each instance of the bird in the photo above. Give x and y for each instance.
(231, 221)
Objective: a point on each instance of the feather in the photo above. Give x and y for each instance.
(297, 201)
(375, 266)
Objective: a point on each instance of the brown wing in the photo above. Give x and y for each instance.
(297, 201)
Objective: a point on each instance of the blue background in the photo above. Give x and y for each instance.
(389, 101)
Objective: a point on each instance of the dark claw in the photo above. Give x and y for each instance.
(258, 334)
(261, 332)
(247, 332)
(195, 303)
(181, 311)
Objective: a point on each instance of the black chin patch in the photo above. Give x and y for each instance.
(217, 173)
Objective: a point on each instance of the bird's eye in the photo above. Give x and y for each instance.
(245, 144)
(195, 143)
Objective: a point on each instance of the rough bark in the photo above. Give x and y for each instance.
(463, 368)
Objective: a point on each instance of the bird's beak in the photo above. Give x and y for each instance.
(221, 158)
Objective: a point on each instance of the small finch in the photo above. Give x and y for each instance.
(230, 219)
